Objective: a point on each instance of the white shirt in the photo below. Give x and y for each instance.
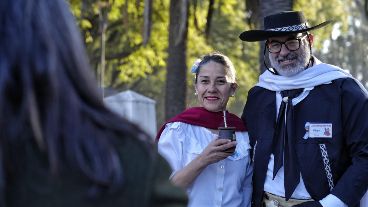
(226, 183)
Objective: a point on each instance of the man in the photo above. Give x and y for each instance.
(307, 121)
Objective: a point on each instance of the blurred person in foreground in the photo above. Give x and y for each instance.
(307, 122)
(215, 171)
(59, 144)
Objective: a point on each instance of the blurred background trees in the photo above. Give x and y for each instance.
(149, 45)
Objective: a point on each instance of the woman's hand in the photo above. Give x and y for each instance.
(215, 151)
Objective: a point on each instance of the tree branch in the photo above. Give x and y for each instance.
(119, 55)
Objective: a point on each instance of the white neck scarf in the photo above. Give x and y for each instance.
(319, 73)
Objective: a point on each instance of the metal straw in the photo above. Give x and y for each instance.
(224, 112)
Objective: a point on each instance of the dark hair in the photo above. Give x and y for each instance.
(48, 94)
(218, 58)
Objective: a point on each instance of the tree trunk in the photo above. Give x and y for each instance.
(268, 7)
(103, 26)
(176, 62)
(147, 20)
(209, 18)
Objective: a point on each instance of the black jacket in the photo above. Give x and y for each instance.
(341, 103)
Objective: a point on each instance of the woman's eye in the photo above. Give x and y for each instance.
(221, 81)
(204, 81)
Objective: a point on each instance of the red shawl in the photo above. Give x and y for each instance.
(201, 117)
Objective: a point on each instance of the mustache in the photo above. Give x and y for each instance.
(289, 56)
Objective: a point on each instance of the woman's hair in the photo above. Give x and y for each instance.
(48, 94)
(218, 58)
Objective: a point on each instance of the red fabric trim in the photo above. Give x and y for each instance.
(201, 117)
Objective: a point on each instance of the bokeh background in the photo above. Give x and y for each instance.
(149, 46)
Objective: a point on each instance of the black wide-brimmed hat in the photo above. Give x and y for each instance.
(280, 24)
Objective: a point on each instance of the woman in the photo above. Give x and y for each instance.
(212, 173)
(59, 145)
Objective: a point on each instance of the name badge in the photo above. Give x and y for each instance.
(319, 130)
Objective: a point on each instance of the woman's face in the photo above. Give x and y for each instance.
(213, 88)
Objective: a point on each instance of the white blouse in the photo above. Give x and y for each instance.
(225, 183)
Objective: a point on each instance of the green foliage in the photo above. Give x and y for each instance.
(132, 65)
(143, 69)
(319, 11)
(227, 23)
(349, 50)
(124, 19)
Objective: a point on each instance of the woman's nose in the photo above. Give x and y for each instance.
(211, 87)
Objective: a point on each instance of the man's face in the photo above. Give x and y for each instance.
(288, 62)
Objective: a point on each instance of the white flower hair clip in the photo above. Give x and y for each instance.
(195, 66)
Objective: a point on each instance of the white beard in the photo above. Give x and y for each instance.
(302, 57)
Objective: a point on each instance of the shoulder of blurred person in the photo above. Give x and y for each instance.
(145, 180)
(59, 144)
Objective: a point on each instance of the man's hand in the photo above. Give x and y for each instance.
(309, 204)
